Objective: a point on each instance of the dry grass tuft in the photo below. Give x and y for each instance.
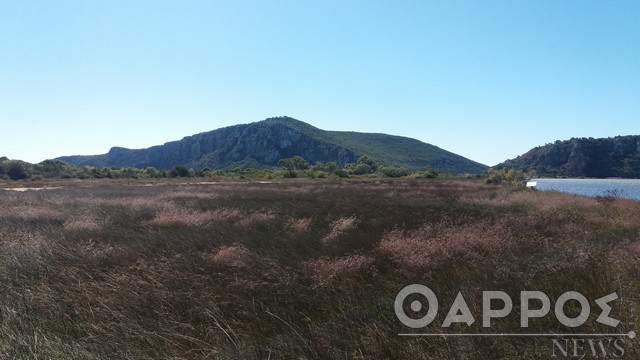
(26, 254)
(324, 270)
(83, 223)
(34, 212)
(340, 227)
(434, 245)
(299, 225)
(233, 256)
(260, 217)
(182, 217)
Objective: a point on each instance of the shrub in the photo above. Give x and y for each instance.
(290, 174)
(341, 173)
(368, 161)
(16, 171)
(294, 163)
(430, 174)
(509, 176)
(319, 166)
(151, 172)
(179, 171)
(361, 169)
(331, 167)
(394, 171)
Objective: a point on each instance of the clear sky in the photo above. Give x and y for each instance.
(485, 79)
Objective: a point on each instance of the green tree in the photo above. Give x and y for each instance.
(319, 166)
(394, 171)
(131, 173)
(150, 172)
(341, 173)
(331, 167)
(52, 168)
(179, 171)
(364, 165)
(294, 163)
(361, 169)
(430, 174)
(16, 170)
(368, 161)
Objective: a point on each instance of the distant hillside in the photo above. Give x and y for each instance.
(583, 157)
(264, 143)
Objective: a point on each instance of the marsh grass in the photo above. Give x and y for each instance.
(297, 269)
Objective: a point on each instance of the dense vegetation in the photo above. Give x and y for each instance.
(296, 268)
(583, 157)
(262, 144)
(293, 167)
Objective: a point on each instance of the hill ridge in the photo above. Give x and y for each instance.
(617, 156)
(263, 143)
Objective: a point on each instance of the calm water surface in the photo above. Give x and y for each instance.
(624, 188)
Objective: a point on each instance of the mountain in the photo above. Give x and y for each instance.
(583, 157)
(262, 144)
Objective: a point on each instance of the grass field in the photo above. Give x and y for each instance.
(300, 268)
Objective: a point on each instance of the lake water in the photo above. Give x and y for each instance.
(623, 188)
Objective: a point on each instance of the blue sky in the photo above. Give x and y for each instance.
(485, 79)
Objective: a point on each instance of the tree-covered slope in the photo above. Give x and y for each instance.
(264, 143)
(583, 157)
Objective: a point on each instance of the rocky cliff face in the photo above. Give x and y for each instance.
(583, 157)
(263, 144)
(256, 144)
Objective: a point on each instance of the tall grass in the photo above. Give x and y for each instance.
(298, 269)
